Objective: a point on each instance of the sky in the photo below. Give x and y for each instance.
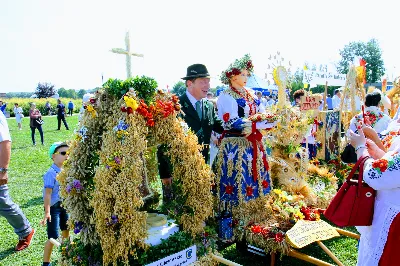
(68, 42)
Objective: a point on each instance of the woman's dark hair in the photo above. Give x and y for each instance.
(297, 94)
(372, 99)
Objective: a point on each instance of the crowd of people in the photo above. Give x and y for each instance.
(224, 129)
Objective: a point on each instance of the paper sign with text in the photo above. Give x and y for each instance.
(304, 233)
(320, 78)
(309, 103)
(182, 258)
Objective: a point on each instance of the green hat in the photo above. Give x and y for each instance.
(54, 147)
(196, 71)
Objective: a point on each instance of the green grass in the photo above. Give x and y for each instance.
(29, 163)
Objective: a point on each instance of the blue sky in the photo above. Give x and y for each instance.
(67, 43)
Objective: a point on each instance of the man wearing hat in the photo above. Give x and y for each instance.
(199, 114)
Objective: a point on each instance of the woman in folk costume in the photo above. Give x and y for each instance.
(379, 242)
(378, 120)
(241, 163)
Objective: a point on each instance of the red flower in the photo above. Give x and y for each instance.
(92, 100)
(256, 229)
(123, 108)
(249, 65)
(382, 164)
(279, 237)
(249, 191)
(265, 232)
(235, 71)
(235, 222)
(228, 74)
(226, 117)
(229, 189)
(150, 122)
(129, 110)
(265, 184)
(175, 98)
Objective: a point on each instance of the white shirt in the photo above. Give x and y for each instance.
(193, 100)
(387, 206)
(381, 124)
(4, 131)
(335, 102)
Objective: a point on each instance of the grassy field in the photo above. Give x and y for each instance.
(29, 163)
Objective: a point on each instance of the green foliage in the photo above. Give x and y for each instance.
(80, 93)
(145, 87)
(68, 93)
(19, 94)
(179, 88)
(370, 52)
(45, 90)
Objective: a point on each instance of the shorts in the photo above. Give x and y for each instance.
(59, 219)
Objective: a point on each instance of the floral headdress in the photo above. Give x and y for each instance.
(235, 68)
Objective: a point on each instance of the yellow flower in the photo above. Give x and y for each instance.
(277, 191)
(90, 108)
(130, 102)
(299, 215)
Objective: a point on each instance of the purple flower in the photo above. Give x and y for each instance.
(77, 185)
(117, 160)
(107, 166)
(68, 188)
(77, 231)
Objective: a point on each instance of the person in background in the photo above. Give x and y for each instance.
(61, 115)
(210, 95)
(47, 106)
(18, 115)
(329, 102)
(336, 99)
(55, 216)
(378, 120)
(70, 107)
(34, 115)
(8, 209)
(271, 101)
(261, 99)
(3, 106)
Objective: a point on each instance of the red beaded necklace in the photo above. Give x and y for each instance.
(248, 98)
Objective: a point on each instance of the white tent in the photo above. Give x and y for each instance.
(256, 82)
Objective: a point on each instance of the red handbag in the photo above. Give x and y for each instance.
(353, 204)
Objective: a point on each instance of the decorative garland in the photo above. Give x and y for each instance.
(236, 67)
(104, 183)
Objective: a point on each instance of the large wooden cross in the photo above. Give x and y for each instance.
(128, 54)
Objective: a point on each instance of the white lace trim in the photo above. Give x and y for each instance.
(374, 258)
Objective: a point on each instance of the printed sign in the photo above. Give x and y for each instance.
(309, 103)
(320, 78)
(185, 257)
(304, 233)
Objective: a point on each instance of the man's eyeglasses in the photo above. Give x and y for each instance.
(63, 153)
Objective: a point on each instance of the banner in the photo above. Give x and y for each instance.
(320, 78)
(309, 103)
(182, 258)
